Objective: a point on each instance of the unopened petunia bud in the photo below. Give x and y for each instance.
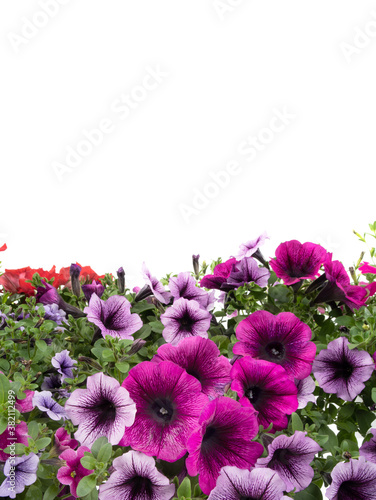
(196, 265)
(94, 287)
(75, 271)
(121, 280)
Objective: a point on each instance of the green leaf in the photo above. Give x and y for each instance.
(123, 367)
(88, 461)
(364, 419)
(373, 396)
(42, 443)
(108, 355)
(96, 448)
(332, 441)
(51, 492)
(4, 388)
(143, 333)
(105, 453)
(33, 493)
(42, 346)
(33, 429)
(184, 489)
(313, 492)
(86, 485)
(297, 424)
(157, 326)
(345, 321)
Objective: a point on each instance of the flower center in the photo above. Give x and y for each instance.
(344, 370)
(275, 351)
(163, 410)
(140, 486)
(106, 411)
(281, 456)
(253, 394)
(186, 322)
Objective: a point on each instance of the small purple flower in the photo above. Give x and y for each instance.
(305, 389)
(185, 318)
(296, 261)
(223, 436)
(94, 287)
(64, 364)
(44, 402)
(113, 316)
(200, 358)
(352, 480)
(156, 287)
(103, 409)
(47, 294)
(19, 472)
(169, 403)
(53, 384)
(281, 339)
(265, 387)
(247, 271)
(291, 458)
(240, 484)
(342, 371)
(184, 285)
(368, 449)
(249, 248)
(136, 478)
(53, 313)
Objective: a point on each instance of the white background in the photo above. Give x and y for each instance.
(229, 64)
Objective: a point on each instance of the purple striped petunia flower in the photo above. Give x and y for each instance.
(296, 261)
(44, 402)
(64, 364)
(156, 287)
(291, 458)
(255, 484)
(223, 436)
(250, 247)
(103, 409)
(247, 271)
(184, 285)
(94, 287)
(281, 339)
(169, 403)
(136, 478)
(19, 472)
(368, 449)
(342, 371)
(185, 318)
(202, 359)
(265, 387)
(113, 316)
(352, 480)
(305, 387)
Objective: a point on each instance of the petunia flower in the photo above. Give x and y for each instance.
(352, 480)
(368, 449)
(103, 409)
(220, 274)
(169, 403)
(247, 271)
(154, 287)
(250, 247)
(53, 313)
(342, 371)
(64, 364)
(48, 295)
(53, 384)
(63, 441)
(240, 484)
(281, 339)
(184, 285)
(365, 268)
(19, 472)
(265, 387)
(305, 387)
(296, 261)
(44, 402)
(185, 318)
(72, 473)
(200, 358)
(136, 478)
(94, 287)
(3, 248)
(6, 438)
(113, 316)
(223, 436)
(25, 405)
(291, 458)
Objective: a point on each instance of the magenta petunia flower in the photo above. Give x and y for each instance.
(291, 458)
(265, 387)
(250, 247)
(368, 449)
(247, 271)
(155, 287)
(342, 371)
(103, 409)
(136, 478)
(297, 261)
(25, 405)
(63, 441)
(113, 316)
(184, 285)
(94, 287)
(240, 484)
(305, 391)
(19, 472)
(6, 438)
(223, 436)
(281, 339)
(64, 364)
(353, 480)
(185, 318)
(220, 274)
(169, 403)
(200, 358)
(72, 473)
(365, 268)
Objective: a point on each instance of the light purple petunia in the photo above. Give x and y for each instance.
(113, 316)
(368, 449)
(19, 472)
(291, 458)
(53, 313)
(353, 480)
(200, 358)
(296, 261)
(136, 478)
(240, 484)
(94, 287)
(44, 402)
(265, 387)
(250, 247)
(185, 318)
(223, 436)
(64, 364)
(103, 409)
(169, 403)
(184, 285)
(281, 339)
(156, 287)
(247, 271)
(305, 391)
(342, 371)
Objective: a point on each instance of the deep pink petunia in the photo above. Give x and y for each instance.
(63, 441)
(200, 358)
(353, 480)
(266, 387)
(169, 403)
(223, 436)
(365, 268)
(281, 339)
(73, 471)
(25, 405)
(6, 438)
(297, 261)
(220, 274)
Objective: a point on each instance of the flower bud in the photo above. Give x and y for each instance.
(75, 270)
(121, 280)
(196, 265)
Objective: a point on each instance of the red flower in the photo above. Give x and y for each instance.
(14, 280)
(4, 247)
